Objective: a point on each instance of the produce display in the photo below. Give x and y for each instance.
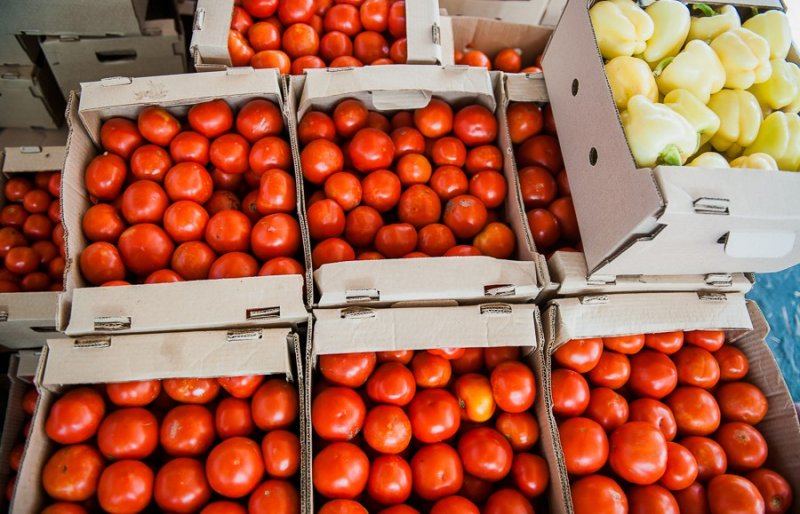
(293, 35)
(31, 234)
(210, 198)
(205, 445)
(15, 456)
(663, 423)
(508, 60)
(441, 431)
(702, 86)
(420, 183)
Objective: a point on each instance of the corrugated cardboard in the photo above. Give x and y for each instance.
(160, 51)
(18, 50)
(465, 279)
(29, 137)
(746, 327)
(212, 21)
(248, 302)
(675, 220)
(29, 97)
(73, 17)
(21, 369)
(491, 35)
(531, 12)
(363, 329)
(105, 359)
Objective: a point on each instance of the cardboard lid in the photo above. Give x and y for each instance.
(32, 158)
(39, 306)
(423, 32)
(359, 329)
(212, 22)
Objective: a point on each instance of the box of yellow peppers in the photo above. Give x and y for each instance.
(679, 122)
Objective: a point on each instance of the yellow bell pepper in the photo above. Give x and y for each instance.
(710, 160)
(739, 116)
(704, 120)
(696, 69)
(794, 107)
(671, 21)
(621, 27)
(630, 76)
(657, 134)
(756, 161)
(745, 57)
(782, 88)
(779, 136)
(711, 24)
(774, 27)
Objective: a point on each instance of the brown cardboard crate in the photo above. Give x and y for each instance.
(73, 17)
(29, 98)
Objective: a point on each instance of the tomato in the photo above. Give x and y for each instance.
(696, 367)
(330, 251)
(36, 281)
(371, 149)
(570, 393)
(242, 386)
(130, 433)
(521, 430)
(731, 494)
(150, 162)
(275, 405)
(259, 118)
(508, 60)
(75, 416)
(188, 181)
(343, 18)
(507, 501)
(407, 140)
(15, 188)
(681, 469)
(389, 479)
(477, 58)
(435, 415)
(449, 151)
(488, 186)
(463, 251)
(564, 190)
(234, 467)
(485, 453)
(274, 497)
(345, 189)
(419, 206)
(743, 444)
(190, 147)
(13, 216)
(540, 150)
(391, 383)
(105, 176)
(325, 219)
(651, 498)
(191, 390)
(271, 59)
(36, 201)
(638, 452)
(223, 507)
(387, 429)
(337, 414)
(608, 408)
(597, 493)
(369, 47)
(157, 125)
(37, 227)
(381, 190)
(413, 168)
(475, 125)
(696, 411)
(524, 119)
(316, 125)
(740, 401)
(145, 248)
(465, 215)
(584, 445)
(497, 355)
(692, 500)
(349, 117)
(332, 46)
(120, 136)
(544, 228)
(435, 119)
(144, 201)
(260, 8)
(362, 224)
(276, 235)
(531, 474)
(474, 394)
(733, 363)
(229, 153)
(181, 486)
(710, 457)
(232, 418)
(72, 473)
(345, 61)
(343, 507)
(435, 239)
(656, 413)
(437, 471)
(193, 260)
(212, 118)
(228, 231)
(268, 153)
(612, 370)
(538, 187)
(10, 238)
(580, 355)
(320, 159)
(300, 40)
(22, 260)
(775, 490)
(513, 386)
(125, 486)
(133, 394)
(281, 450)
(56, 268)
(101, 222)
(241, 20)
(29, 400)
(185, 221)
(281, 266)
(667, 342)
(653, 374)
(64, 508)
(340, 470)
(396, 240)
(711, 340)
(347, 369)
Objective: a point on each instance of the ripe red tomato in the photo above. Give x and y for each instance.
(15, 188)
(120, 136)
(242, 386)
(275, 405)
(193, 260)
(651, 498)
(710, 457)
(340, 470)
(538, 187)
(273, 497)
(508, 60)
(419, 205)
(413, 168)
(369, 47)
(485, 453)
(733, 363)
(530, 473)
(350, 116)
(163, 276)
(362, 224)
(681, 469)
(228, 231)
(268, 153)
(775, 490)
(696, 367)
(507, 501)
(407, 140)
(666, 342)
(740, 401)
(474, 394)
(454, 505)
(371, 149)
(144, 201)
(320, 159)
(653, 374)
(188, 181)
(497, 355)
(181, 486)
(489, 187)
(656, 413)
(241, 20)
(232, 418)
(524, 119)
(711, 340)
(696, 411)
(396, 240)
(347, 369)
(449, 151)
(397, 19)
(435, 239)
(281, 266)
(744, 445)
(259, 118)
(597, 493)
(437, 471)
(733, 494)
(133, 394)
(37, 227)
(13, 216)
(540, 150)
(570, 393)
(191, 390)
(130, 433)
(544, 228)
(477, 59)
(281, 450)
(326, 219)
(475, 125)
(387, 429)
(75, 416)
(260, 8)
(240, 51)
(125, 486)
(435, 415)
(235, 467)
(343, 18)
(157, 125)
(435, 119)
(229, 153)
(145, 248)
(36, 201)
(102, 222)
(638, 452)
(465, 215)
(330, 251)
(315, 124)
(276, 235)
(584, 444)
(391, 383)
(389, 479)
(212, 118)
(189, 146)
(72, 473)
(299, 40)
(521, 430)
(62, 508)
(334, 45)
(272, 59)
(337, 414)
(612, 370)
(513, 386)
(29, 400)
(608, 408)
(692, 500)
(150, 162)
(105, 176)
(185, 221)
(345, 189)
(580, 355)
(381, 190)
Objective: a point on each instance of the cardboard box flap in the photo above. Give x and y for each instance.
(423, 32)
(125, 96)
(39, 306)
(212, 21)
(101, 359)
(33, 158)
(432, 278)
(27, 364)
(625, 314)
(516, 11)
(526, 87)
(359, 329)
(552, 14)
(259, 301)
(376, 86)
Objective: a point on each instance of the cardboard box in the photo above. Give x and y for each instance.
(676, 220)
(21, 370)
(492, 35)
(530, 12)
(18, 50)
(106, 359)
(27, 319)
(73, 17)
(29, 97)
(160, 51)
(362, 329)
(624, 314)
(191, 305)
(27, 137)
(466, 279)
(212, 21)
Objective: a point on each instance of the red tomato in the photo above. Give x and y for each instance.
(133, 394)
(36, 201)
(320, 159)
(268, 153)
(242, 386)
(485, 453)
(271, 59)
(223, 507)
(625, 344)
(275, 405)
(696, 411)
(232, 418)
(300, 40)
(521, 430)
(407, 140)
(130, 433)
(13, 216)
(731, 494)
(15, 188)
(597, 493)
(63, 508)
(475, 125)
(513, 386)
(325, 219)
(570, 393)
(274, 497)
(391, 383)
(29, 400)
(563, 184)
(189, 147)
(229, 153)
(490, 187)
(696, 367)
(474, 393)
(435, 415)
(228, 231)
(185, 221)
(193, 260)
(740, 401)
(120, 136)
(260, 8)
(743, 444)
(524, 119)
(544, 228)
(343, 18)
(608, 408)
(276, 192)
(349, 117)
(638, 452)
(362, 224)
(145, 248)
(72, 472)
(259, 118)
(733, 363)
(476, 58)
(281, 450)
(435, 239)
(22, 260)
(150, 162)
(419, 206)
(435, 119)
(343, 507)
(235, 467)
(241, 20)
(508, 60)
(330, 251)
(541, 150)
(125, 486)
(449, 151)
(711, 340)
(651, 498)
(692, 500)
(332, 46)
(188, 181)
(316, 125)
(212, 118)
(775, 490)
(381, 190)
(157, 125)
(369, 47)
(413, 168)
(276, 235)
(507, 501)
(75, 416)
(347, 369)
(437, 471)
(340, 470)
(181, 486)
(397, 19)
(37, 227)
(389, 479)
(345, 189)
(497, 355)
(667, 342)
(337, 414)
(530, 473)
(396, 240)
(538, 187)
(465, 215)
(387, 429)
(681, 469)
(144, 201)
(580, 355)
(105, 176)
(653, 374)
(612, 370)
(370, 149)
(584, 444)
(191, 390)
(710, 457)
(656, 413)
(345, 61)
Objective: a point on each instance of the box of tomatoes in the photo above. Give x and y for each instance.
(162, 417)
(161, 211)
(33, 236)
(424, 409)
(434, 213)
(667, 399)
(293, 35)
(531, 12)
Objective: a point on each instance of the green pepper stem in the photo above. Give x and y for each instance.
(705, 10)
(671, 156)
(661, 65)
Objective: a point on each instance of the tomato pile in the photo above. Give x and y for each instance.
(160, 215)
(668, 421)
(508, 60)
(293, 35)
(15, 456)
(424, 183)
(542, 178)
(179, 444)
(31, 234)
(439, 431)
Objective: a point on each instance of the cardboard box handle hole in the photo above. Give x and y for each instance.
(593, 156)
(575, 87)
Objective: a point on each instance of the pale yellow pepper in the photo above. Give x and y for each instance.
(710, 160)
(671, 21)
(745, 57)
(774, 27)
(782, 89)
(704, 120)
(630, 76)
(711, 24)
(779, 136)
(740, 118)
(621, 27)
(756, 161)
(696, 69)
(794, 107)
(656, 134)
